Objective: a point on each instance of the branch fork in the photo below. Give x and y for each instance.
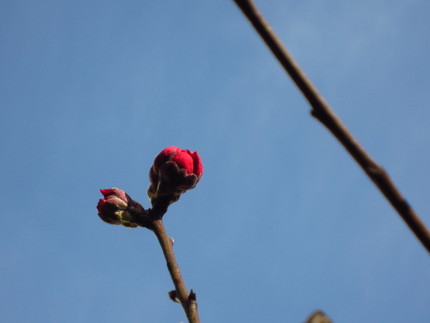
(174, 172)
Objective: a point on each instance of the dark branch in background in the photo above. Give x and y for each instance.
(324, 113)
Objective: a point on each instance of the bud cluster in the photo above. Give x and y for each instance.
(174, 172)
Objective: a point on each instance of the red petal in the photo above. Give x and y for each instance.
(185, 161)
(169, 150)
(198, 165)
(165, 156)
(106, 192)
(100, 204)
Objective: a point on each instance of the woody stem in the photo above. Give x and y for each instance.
(322, 111)
(187, 300)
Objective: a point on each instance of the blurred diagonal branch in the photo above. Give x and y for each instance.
(322, 111)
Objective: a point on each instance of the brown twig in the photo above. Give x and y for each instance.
(187, 300)
(324, 113)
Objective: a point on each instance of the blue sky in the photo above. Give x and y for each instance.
(283, 221)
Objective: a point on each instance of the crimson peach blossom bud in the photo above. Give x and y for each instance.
(117, 207)
(174, 171)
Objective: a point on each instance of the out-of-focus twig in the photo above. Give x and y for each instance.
(318, 317)
(324, 113)
(187, 300)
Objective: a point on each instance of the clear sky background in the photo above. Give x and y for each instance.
(283, 221)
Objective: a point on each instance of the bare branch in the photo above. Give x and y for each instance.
(187, 300)
(324, 113)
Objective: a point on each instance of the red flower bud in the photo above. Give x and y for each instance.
(114, 207)
(174, 172)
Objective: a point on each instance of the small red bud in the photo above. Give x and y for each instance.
(114, 207)
(174, 171)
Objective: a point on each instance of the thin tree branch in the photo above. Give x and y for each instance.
(187, 300)
(324, 113)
